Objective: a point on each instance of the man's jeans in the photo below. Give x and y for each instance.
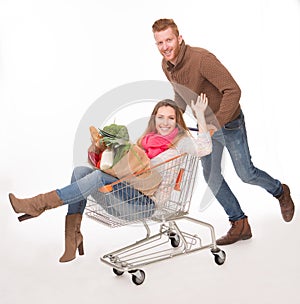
(126, 203)
(233, 136)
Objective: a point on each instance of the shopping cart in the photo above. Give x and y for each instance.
(119, 204)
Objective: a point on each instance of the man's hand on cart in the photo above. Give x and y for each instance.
(212, 129)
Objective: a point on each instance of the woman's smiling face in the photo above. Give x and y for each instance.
(165, 120)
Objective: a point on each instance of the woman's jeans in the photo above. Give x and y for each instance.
(233, 136)
(123, 201)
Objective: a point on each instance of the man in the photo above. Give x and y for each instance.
(199, 71)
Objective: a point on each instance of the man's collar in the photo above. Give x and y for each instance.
(179, 59)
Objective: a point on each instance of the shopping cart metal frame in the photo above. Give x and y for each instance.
(170, 241)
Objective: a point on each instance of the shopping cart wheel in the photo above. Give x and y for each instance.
(117, 272)
(220, 256)
(138, 276)
(175, 239)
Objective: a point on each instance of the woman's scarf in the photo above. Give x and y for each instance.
(155, 144)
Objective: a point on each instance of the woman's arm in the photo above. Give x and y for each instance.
(201, 145)
(199, 108)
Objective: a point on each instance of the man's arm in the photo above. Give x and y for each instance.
(214, 71)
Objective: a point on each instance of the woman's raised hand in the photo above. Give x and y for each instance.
(200, 105)
(199, 108)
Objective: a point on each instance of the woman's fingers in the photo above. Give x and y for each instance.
(202, 98)
(201, 103)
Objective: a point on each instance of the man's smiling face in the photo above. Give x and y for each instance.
(168, 44)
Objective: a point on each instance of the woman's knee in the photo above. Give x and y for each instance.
(80, 172)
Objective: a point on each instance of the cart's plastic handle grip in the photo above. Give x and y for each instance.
(106, 189)
(179, 180)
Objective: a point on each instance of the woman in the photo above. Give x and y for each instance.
(165, 136)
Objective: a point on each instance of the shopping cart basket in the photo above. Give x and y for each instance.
(120, 204)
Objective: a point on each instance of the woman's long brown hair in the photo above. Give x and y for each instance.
(180, 123)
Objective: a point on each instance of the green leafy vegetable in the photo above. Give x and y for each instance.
(118, 131)
(116, 137)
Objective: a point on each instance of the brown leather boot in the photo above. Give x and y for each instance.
(240, 230)
(73, 237)
(34, 206)
(286, 204)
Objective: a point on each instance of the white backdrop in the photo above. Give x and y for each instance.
(57, 57)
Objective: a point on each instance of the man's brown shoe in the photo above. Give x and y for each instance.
(240, 230)
(286, 204)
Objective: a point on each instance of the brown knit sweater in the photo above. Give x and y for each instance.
(199, 71)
